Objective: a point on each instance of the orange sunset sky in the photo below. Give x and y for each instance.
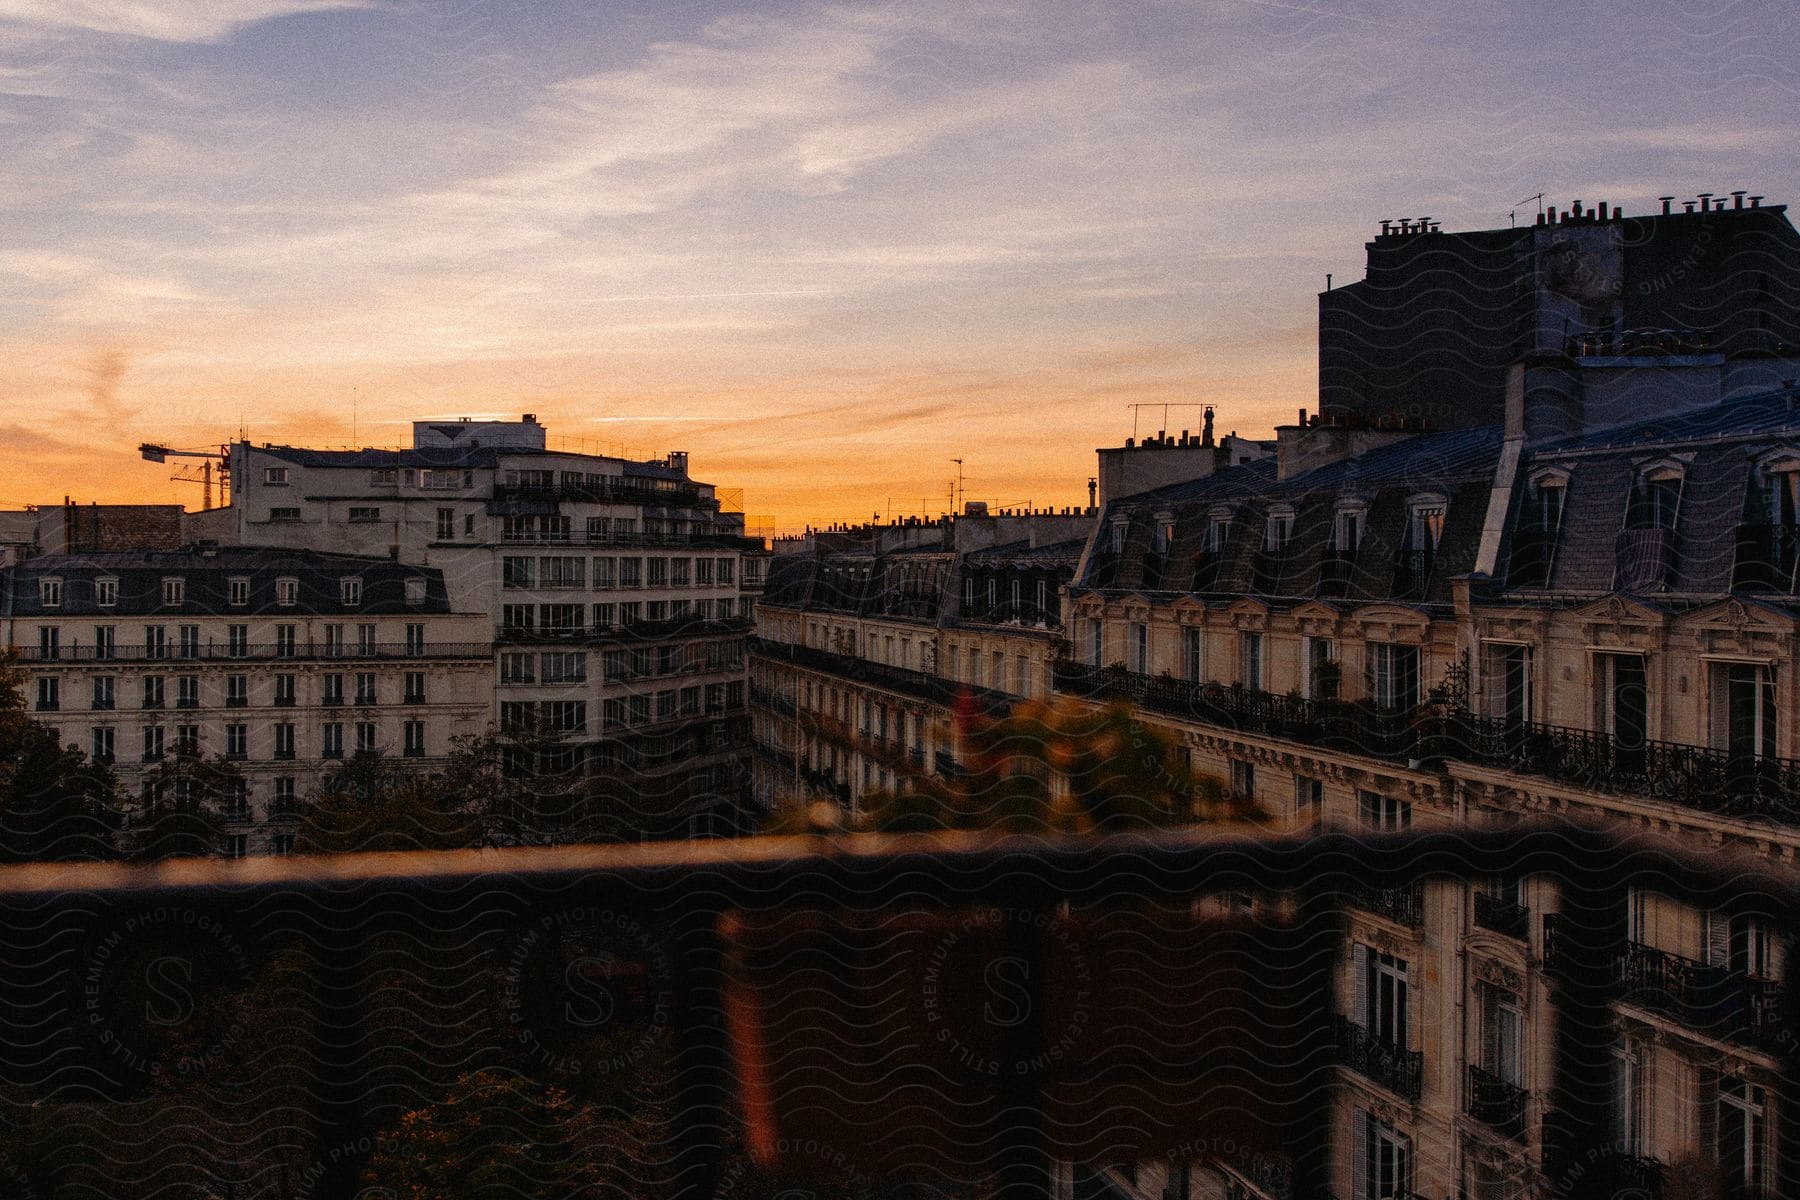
(825, 249)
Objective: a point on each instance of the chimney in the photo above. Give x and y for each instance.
(1092, 485)
(1666, 202)
(1601, 211)
(1574, 209)
(1737, 199)
(1756, 201)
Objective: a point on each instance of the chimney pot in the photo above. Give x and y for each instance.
(1737, 199)
(1666, 202)
(1601, 211)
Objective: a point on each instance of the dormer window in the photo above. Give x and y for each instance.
(50, 592)
(1534, 539)
(1347, 529)
(1279, 529)
(239, 587)
(1218, 529)
(350, 591)
(415, 591)
(1163, 533)
(106, 592)
(1116, 535)
(174, 591)
(1768, 549)
(1655, 498)
(287, 592)
(1424, 532)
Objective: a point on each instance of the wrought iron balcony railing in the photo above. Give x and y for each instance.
(1399, 1070)
(1401, 905)
(1497, 1103)
(1767, 558)
(1502, 916)
(261, 652)
(1710, 998)
(934, 688)
(1697, 777)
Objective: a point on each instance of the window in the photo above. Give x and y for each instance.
(1383, 814)
(1744, 713)
(1540, 519)
(518, 572)
(106, 642)
(1140, 649)
(1382, 1160)
(680, 572)
(238, 589)
(275, 476)
(50, 593)
(350, 591)
(365, 640)
(103, 693)
(281, 844)
(331, 689)
(631, 572)
(237, 845)
(1622, 700)
(187, 691)
(332, 740)
(1250, 661)
(657, 572)
(562, 572)
(1309, 802)
(1347, 530)
(284, 747)
(49, 693)
(365, 687)
(1381, 995)
(1243, 778)
(415, 640)
(365, 737)
(1096, 642)
(727, 569)
(237, 640)
(284, 641)
(156, 641)
(106, 592)
(1632, 1111)
(1655, 500)
(1162, 533)
(174, 591)
(1502, 1050)
(364, 515)
(287, 592)
(605, 616)
(569, 667)
(153, 743)
(188, 643)
(49, 643)
(446, 524)
(517, 668)
(1218, 530)
(187, 740)
(1115, 544)
(284, 691)
(413, 739)
(1279, 530)
(1506, 682)
(102, 745)
(1319, 673)
(153, 691)
(415, 687)
(283, 515)
(415, 591)
(1393, 676)
(334, 641)
(1744, 1138)
(1193, 654)
(237, 741)
(237, 691)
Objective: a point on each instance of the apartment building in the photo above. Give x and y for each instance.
(1583, 607)
(617, 594)
(284, 662)
(868, 638)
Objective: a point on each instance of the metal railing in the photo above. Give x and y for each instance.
(1697, 777)
(934, 688)
(1496, 1103)
(683, 915)
(1502, 916)
(259, 652)
(1395, 1068)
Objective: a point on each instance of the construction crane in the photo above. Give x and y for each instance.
(214, 464)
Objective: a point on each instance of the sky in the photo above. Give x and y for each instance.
(825, 249)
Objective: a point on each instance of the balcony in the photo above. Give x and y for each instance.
(749, 941)
(1501, 916)
(934, 688)
(1708, 998)
(272, 651)
(635, 632)
(1694, 777)
(1401, 905)
(1399, 1071)
(1497, 1104)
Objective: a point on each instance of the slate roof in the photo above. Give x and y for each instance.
(207, 573)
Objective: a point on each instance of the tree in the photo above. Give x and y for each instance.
(55, 804)
(182, 804)
(375, 803)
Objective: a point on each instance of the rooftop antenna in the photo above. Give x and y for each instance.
(956, 500)
(1527, 200)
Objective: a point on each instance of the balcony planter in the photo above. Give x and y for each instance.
(901, 1038)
